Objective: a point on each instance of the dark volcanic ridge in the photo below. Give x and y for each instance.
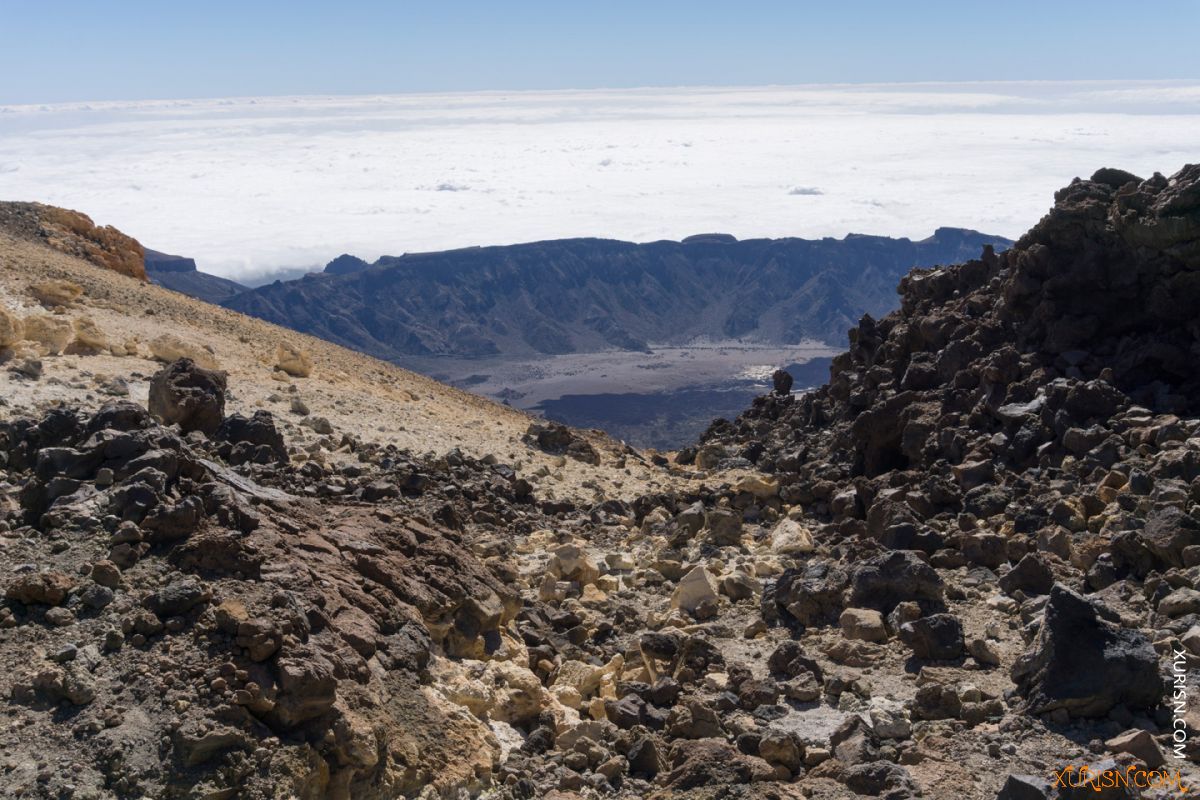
(181, 275)
(589, 295)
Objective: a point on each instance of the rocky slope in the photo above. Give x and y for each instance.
(75, 234)
(82, 352)
(1027, 422)
(181, 275)
(966, 568)
(587, 295)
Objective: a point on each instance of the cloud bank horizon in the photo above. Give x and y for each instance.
(253, 186)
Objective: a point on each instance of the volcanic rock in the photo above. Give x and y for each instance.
(1086, 664)
(938, 636)
(188, 395)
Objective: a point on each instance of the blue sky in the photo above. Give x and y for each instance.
(135, 49)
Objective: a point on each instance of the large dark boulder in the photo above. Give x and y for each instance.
(1085, 663)
(811, 596)
(190, 396)
(885, 581)
(938, 637)
(252, 439)
(1031, 575)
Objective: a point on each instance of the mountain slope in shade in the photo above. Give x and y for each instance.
(180, 274)
(584, 295)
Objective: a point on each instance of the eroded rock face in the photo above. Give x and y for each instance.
(574, 295)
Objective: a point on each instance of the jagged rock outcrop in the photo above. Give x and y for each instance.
(1085, 317)
(345, 264)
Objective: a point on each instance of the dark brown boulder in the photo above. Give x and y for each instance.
(190, 396)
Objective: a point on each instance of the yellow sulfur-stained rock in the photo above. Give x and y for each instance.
(56, 292)
(169, 348)
(88, 337)
(11, 328)
(50, 334)
(293, 361)
(789, 537)
(760, 486)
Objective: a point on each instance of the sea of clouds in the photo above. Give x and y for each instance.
(252, 186)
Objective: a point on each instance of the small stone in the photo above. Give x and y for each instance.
(1140, 744)
(106, 573)
(937, 636)
(696, 590)
(865, 624)
(60, 617)
(984, 652)
(790, 538)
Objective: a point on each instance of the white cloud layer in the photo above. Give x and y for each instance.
(252, 185)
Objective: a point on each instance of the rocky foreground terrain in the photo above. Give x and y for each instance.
(238, 562)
